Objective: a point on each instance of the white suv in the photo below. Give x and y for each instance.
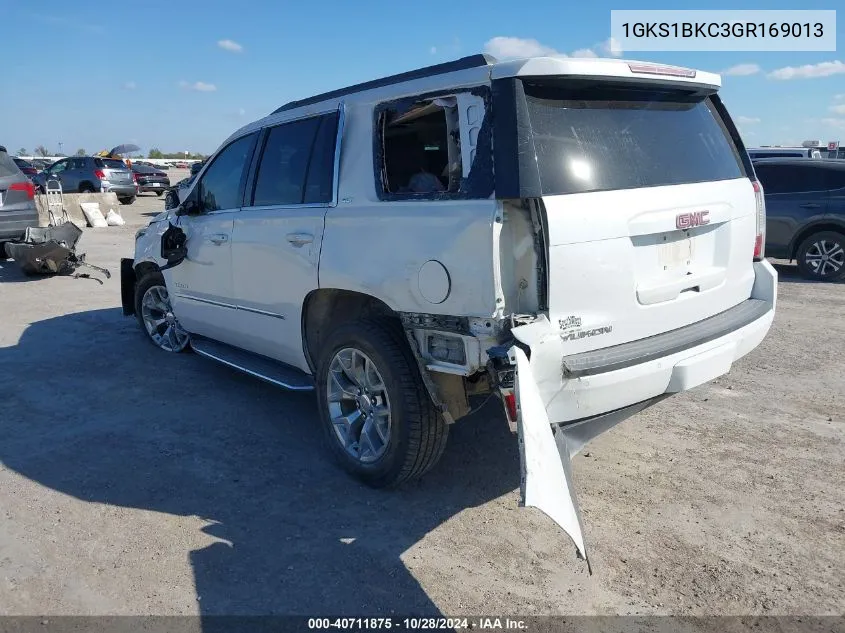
(526, 229)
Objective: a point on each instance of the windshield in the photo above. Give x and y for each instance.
(601, 138)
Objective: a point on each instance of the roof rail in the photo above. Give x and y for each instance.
(464, 63)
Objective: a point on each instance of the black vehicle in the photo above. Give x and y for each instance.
(805, 209)
(150, 179)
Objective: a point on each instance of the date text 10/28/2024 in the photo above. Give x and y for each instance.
(417, 624)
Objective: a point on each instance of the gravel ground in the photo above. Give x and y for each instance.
(135, 482)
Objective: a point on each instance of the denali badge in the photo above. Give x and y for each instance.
(569, 322)
(689, 220)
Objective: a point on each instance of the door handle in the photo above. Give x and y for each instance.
(809, 205)
(300, 239)
(217, 238)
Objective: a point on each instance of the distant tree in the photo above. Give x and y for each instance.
(22, 152)
(81, 152)
(42, 151)
(155, 153)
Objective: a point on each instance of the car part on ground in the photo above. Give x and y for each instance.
(50, 250)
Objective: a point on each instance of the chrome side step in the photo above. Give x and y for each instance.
(255, 365)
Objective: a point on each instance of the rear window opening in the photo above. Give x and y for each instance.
(110, 163)
(422, 151)
(602, 138)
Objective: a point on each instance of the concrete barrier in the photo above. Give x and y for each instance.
(74, 211)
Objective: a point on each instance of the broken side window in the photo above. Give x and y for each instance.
(428, 145)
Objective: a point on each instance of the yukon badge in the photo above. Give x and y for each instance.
(684, 221)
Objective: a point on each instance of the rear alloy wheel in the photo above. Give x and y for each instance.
(155, 314)
(822, 256)
(377, 417)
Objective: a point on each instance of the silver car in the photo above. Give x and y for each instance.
(91, 174)
(17, 201)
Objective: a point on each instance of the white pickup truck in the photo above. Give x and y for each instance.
(522, 229)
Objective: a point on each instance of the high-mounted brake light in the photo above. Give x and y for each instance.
(659, 69)
(760, 238)
(27, 186)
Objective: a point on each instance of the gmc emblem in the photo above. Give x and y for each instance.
(685, 221)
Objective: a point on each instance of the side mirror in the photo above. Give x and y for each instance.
(189, 207)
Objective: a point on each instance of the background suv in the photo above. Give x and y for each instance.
(90, 174)
(17, 201)
(805, 207)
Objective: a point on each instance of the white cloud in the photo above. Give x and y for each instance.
(516, 47)
(742, 70)
(197, 86)
(837, 97)
(230, 45)
(747, 120)
(824, 69)
(611, 46)
(130, 85)
(241, 112)
(837, 123)
(433, 50)
(838, 109)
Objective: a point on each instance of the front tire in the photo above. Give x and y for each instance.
(155, 314)
(822, 256)
(377, 417)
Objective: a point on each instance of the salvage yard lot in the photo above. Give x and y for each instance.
(132, 481)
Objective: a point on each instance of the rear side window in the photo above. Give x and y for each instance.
(791, 178)
(297, 163)
(597, 138)
(836, 178)
(7, 166)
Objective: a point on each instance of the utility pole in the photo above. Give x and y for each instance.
(60, 147)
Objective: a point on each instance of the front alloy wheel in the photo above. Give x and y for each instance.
(822, 256)
(359, 406)
(158, 319)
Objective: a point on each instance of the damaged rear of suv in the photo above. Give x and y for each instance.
(524, 229)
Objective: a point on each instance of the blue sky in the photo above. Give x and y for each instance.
(182, 75)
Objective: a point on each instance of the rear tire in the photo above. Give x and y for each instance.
(86, 188)
(416, 433)
(821, 256)
(128, 200)
(159, 193)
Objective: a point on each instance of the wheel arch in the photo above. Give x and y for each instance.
(325, 308)
(817, 227)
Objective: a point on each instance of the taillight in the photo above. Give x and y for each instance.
(27, 186)
(134, 176)
(760, 215)
(99, 173)
(510, 406)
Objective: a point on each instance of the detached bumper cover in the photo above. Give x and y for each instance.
(564, 402)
